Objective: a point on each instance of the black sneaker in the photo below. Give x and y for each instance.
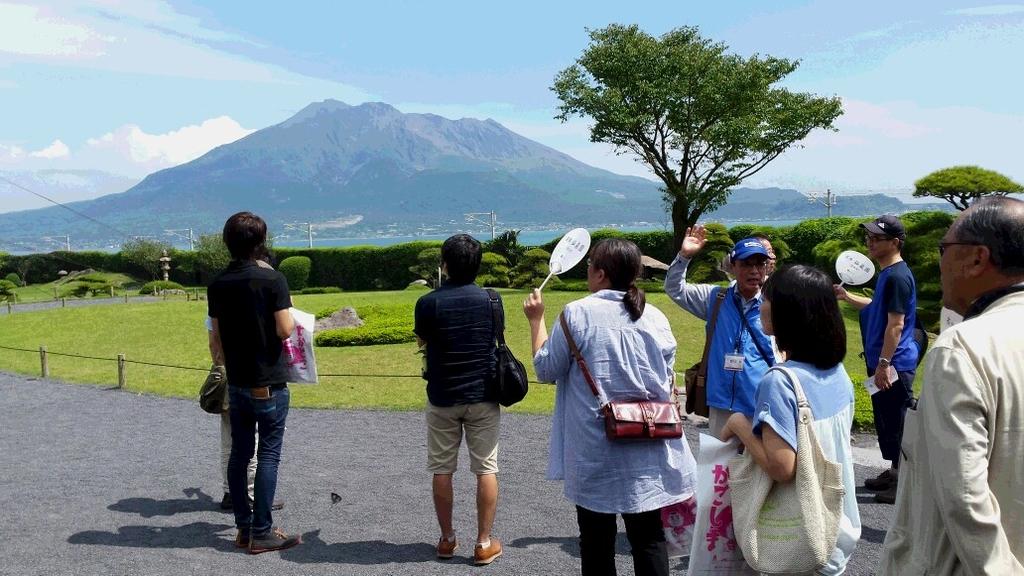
(225, 502)
(881, 483)
(273, 540)
(887, 496)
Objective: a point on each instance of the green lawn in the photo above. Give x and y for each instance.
(51, 290)
(172, 332)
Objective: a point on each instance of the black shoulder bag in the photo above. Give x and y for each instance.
(510, 375)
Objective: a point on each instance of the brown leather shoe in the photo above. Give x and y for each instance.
(446, 548)
(242, 539)
(483, 556)
(276, 539)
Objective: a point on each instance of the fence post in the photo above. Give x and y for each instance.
(8, 307)
(63, 302)
(111, 291)
(54, 292)
(126, 297)
(44, 365)
(120, 371)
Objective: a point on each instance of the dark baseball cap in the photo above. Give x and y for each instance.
(887, 225)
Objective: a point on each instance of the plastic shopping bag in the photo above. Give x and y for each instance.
(715, 550)
(299, 348)
(678, 521)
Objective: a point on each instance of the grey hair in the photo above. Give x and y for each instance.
(997, 223)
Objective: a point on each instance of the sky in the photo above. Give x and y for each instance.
(133, 87)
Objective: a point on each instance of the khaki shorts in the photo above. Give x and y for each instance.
(444, 435)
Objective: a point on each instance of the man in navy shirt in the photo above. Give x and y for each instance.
(890, 352)
(455, 325)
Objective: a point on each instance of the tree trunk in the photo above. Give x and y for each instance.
(682, 218)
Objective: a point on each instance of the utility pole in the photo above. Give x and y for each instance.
(299, 226)
(828, 202)
(475, 217)
(191, 240)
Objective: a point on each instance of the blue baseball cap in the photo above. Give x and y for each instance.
(746, 248)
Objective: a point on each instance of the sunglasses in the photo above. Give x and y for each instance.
(943, 245)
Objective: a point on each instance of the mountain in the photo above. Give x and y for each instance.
(60, 185)
(785, 204)
(370, 170)
(369, 167)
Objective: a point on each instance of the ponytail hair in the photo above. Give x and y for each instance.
(620, 261)
(634, 301)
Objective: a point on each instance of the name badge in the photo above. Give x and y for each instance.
(734, 362)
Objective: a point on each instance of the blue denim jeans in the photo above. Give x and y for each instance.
(890, 407)
(247, 415)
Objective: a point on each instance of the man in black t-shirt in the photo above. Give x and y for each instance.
(455, 325)
(248, 307)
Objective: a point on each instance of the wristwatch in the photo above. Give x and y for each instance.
(883, 360)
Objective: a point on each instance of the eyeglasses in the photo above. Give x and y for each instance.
(877, 238)
(751, 264)
(943, 245)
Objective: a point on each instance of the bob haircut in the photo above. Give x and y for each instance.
(805, 315)
(245, 235)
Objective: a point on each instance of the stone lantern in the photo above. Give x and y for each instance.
(165, 264)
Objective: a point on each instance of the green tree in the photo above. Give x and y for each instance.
(211, 254)
(145, 254)
(532, 269)
(494, 270)
(427, 263)
(962, 185)
(507, 245)
(7, 290)
(701, 119)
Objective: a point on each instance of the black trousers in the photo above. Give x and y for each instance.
(646, 539)
(890, 407)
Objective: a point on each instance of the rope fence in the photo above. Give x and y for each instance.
(122, 361)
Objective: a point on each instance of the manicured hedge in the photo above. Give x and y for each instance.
(362, 267)
(158, 285)
(390, 324)
(296, 271)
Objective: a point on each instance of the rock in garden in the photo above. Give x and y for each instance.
(344, 318)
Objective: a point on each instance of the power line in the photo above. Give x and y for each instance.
(122, 233)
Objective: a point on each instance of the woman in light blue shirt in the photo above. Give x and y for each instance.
(799, 308)
(630, 351)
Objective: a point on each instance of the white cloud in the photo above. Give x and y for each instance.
(11, 153)
(139, 151)
(129, 150)
(56, 150)
(140, 37)
(991, 10)
(887, 146)
(35, 31)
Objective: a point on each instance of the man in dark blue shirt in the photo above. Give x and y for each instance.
(455, 325)
(890, 352)
(250, 317)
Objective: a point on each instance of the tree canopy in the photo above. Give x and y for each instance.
(962, 185)
(145, 254)
(703, 120)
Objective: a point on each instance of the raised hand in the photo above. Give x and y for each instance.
(694, 241)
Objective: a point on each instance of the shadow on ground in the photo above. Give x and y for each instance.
(195, 501)
(194, 535)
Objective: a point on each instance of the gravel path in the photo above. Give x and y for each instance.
(99, 481)
(73, 303)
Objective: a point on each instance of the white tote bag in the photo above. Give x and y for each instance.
(714, 551)
(299, 349)
(789, 528)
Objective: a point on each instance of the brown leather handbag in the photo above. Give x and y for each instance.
(696, 376)
(631, 419)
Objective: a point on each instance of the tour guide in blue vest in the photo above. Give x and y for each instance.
(740, 352)
(887, 330)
